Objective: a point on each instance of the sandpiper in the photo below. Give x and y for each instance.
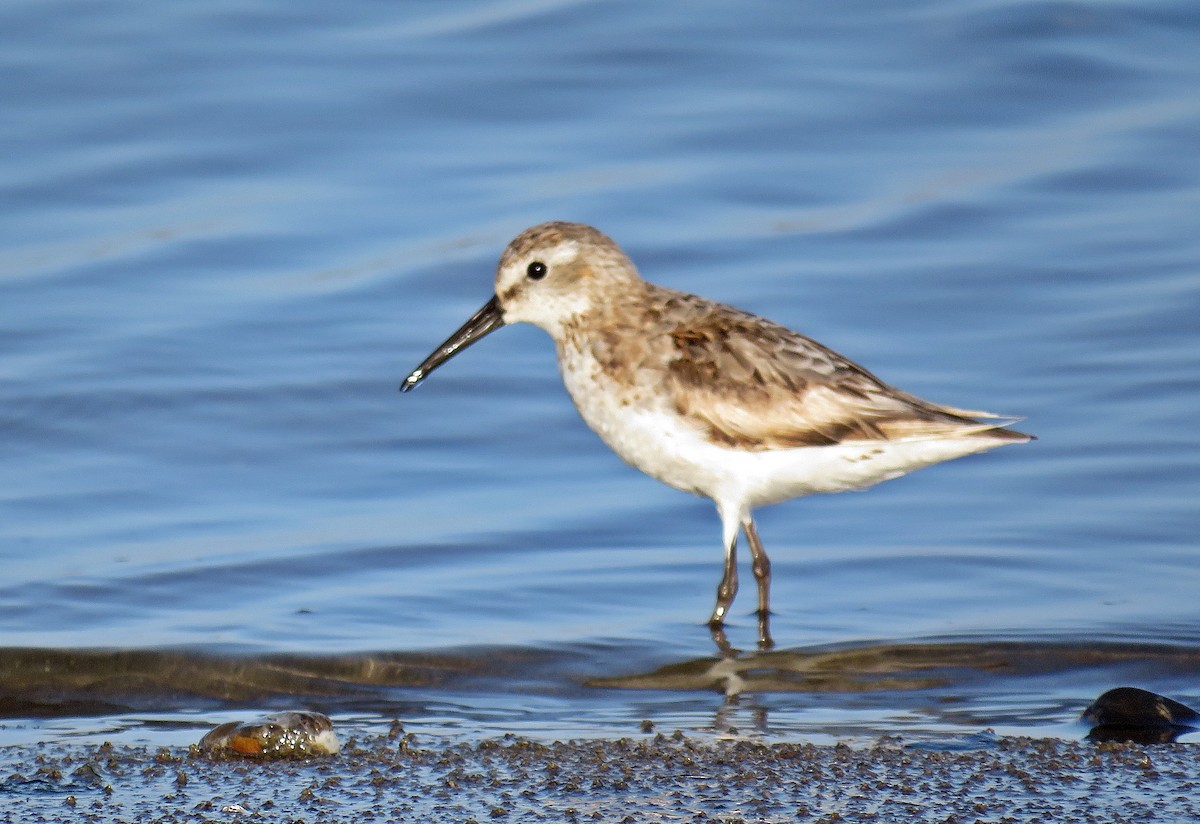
(710, 399)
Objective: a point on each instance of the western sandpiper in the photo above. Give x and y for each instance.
(710, 399)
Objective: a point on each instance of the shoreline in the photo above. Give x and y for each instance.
(660, 777)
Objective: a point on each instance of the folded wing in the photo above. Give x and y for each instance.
(755, 385)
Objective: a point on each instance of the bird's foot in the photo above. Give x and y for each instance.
(765, 641)
(717, 630)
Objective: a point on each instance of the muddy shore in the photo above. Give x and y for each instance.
(655, 777)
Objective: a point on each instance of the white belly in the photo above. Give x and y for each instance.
(638, 425)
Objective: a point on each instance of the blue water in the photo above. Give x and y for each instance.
(231, 229)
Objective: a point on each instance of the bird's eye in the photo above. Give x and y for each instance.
(536, 270)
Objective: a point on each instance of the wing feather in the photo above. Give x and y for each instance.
(752, 384)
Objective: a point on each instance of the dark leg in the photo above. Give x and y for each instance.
(727, 589)
(761, 565)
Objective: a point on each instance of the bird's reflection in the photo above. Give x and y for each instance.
(765, 641)
(734, 672)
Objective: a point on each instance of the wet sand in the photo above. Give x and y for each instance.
(654, 777)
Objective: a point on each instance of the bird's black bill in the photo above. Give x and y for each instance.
(487, 319)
